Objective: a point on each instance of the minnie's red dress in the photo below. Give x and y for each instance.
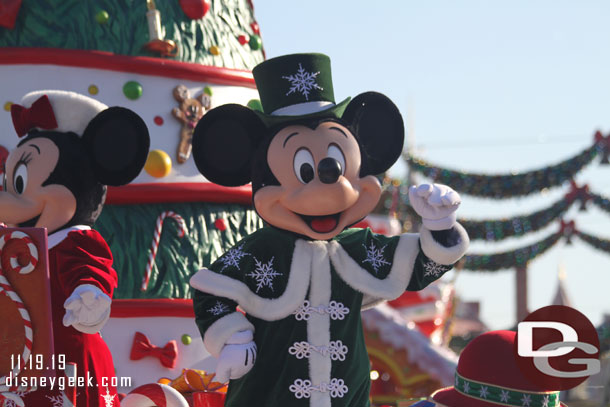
(79, 256)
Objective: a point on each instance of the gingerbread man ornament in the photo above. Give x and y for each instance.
(188, 113)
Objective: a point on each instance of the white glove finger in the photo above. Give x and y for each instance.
(424, 190)
(69, 318)
(73, 305)
(435, 198)
(103, 300)
(222, 375)
(88, 298)
(240, 338)
(451, 198)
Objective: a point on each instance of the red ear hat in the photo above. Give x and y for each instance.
(488, 376)
(54, 110)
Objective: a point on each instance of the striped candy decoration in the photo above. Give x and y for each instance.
(32, 252)
(157, 238)
(6, 289)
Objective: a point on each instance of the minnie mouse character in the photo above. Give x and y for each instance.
(72, 147)
(304, 278)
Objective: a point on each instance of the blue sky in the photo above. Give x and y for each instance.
(484, 86)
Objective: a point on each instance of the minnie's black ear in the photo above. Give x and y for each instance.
(224, 143)
(117, 141)
(378, 126)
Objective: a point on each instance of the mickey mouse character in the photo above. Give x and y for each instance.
(303, 279)
(71, 148)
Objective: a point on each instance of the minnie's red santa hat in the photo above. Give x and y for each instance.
(488, 376)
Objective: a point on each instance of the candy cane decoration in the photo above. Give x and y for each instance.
(6, 288)
(32, 251)
(156, 239)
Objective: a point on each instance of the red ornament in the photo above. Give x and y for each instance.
(255, 28)
(158, 120)
(195, 9)
(8, 12)
(243, 39)
(220, 224)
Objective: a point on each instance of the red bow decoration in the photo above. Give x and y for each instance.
(567, 229)
(142, 347)
(8, 12)
(579, 193)
(39, 115)
(604, 143)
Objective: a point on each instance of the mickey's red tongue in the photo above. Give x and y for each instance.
(323, 224)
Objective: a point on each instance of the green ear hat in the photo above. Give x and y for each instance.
(296, 86)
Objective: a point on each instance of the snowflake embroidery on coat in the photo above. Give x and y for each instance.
(12, 403)
(375, 257)
(232, 258)
(218, 308)
(434, 269)
(264, 274)
(526, 400)
(56, 401)
(504, 396)
(108, 399)
(302, 82)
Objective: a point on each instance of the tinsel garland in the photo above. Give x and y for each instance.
(506, 185)
(511, 259)
(596, 242)
(495, 230)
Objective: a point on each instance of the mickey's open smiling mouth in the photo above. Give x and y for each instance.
(322, 223)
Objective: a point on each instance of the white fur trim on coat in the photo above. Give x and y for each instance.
(268, 309)
(219, 332)
(73, 111)
(361, 280)
(441, 254)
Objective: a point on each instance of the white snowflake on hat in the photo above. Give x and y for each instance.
(302, 82)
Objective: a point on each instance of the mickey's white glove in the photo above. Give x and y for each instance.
(87, 309)
(436, 204)
(237, 357)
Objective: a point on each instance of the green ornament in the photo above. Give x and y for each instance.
(207, 90)
(186, 339)
(102, 17)
(132, 90)
(255, 104)
(255, 42)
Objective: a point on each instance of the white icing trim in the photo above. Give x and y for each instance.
(219, 333)
(303, 108)
(361, 280)
(441, 254)
(267, 309)
(318, 325)
(57, 237)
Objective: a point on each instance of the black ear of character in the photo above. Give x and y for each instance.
(378, 125)
(117, 141)
(224, 142)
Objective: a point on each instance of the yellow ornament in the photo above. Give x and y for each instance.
(158, 164)
(214, 50)
(7, 106)
(93, 90)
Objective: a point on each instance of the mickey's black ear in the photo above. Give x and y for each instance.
(377, 124)
(117, 141)
(224, 142)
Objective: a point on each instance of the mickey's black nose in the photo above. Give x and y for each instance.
(329, 170)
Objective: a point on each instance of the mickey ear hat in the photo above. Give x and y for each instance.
(487, 375)
(72, 111)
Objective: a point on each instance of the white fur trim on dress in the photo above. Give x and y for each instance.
(73, 111)
(441, 254)
(361, 280)
(267, 309)
(219, 333)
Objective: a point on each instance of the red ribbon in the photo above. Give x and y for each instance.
(39, 115)
(142, 347)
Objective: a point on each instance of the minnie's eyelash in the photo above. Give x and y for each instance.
(25, 159)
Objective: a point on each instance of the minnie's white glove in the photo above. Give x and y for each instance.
(436, 204)
(87, 309)
(237, 357)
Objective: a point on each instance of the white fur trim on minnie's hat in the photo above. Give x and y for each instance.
(73, 111)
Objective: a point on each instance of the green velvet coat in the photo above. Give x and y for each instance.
(302, 299)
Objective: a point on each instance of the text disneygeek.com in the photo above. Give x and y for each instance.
(61, 382)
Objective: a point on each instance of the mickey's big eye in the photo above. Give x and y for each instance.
(20, 178)
(335, 152)
(303, 165)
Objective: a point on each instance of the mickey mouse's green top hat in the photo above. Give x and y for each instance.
(296, 86)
